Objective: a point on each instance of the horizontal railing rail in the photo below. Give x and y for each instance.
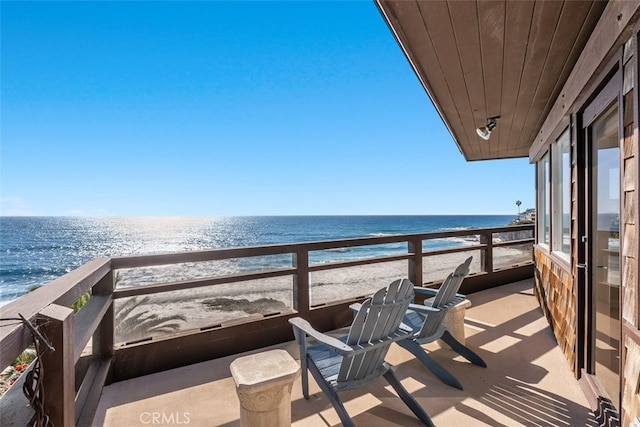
(196, 283)
(93, 325)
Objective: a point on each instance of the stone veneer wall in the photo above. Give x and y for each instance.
(556, 294)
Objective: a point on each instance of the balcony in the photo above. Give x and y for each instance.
(95, 361)
(527, 381)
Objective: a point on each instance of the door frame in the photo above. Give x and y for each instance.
(603, 96)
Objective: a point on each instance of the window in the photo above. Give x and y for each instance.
(561, 183)
(554, 196)
(544, 205)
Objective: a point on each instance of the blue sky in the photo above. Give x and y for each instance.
(226, 108)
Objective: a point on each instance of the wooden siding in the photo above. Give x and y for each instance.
(629, 240)
(629, 215)
(631, 375)
(556, 293)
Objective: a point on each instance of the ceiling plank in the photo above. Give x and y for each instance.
(585, 16)
(570, 22)
(544, 21)
(464, 20)
(517, 28)
(437, 20)
(406, 21)
(491, 14)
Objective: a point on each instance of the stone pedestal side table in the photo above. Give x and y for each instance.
(263, 383)
(454, 322)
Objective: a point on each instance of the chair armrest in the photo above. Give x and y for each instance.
(423, 308)
(356, 306)
(457, 298)
(426, 291)
(404, 328)
(432, 292)
(304, 326)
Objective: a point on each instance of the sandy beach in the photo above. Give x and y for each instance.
(213, 305)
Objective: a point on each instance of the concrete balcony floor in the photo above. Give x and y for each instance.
(527, 382)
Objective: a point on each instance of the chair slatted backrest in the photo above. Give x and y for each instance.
(444, 298)
(377, 320)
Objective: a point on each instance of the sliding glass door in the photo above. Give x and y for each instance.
(603, 273)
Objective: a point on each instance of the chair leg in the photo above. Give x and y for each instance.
(332, 395)
(301, 339)
(462, 350)
(407, 398)
(437, 370)
(304, 377)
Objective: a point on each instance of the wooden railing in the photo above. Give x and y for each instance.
(85, 358)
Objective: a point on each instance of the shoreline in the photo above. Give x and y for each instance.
(38, 250)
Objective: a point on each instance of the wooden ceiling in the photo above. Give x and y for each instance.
(486, 58)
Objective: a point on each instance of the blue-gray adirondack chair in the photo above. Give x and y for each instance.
(354, 360)
(426, 323)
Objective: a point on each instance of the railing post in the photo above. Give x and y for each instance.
(486, 254)
(103, 339)
(301, 281)
(58, 366)
(415, 263)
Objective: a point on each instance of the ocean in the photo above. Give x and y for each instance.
(36, 250)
